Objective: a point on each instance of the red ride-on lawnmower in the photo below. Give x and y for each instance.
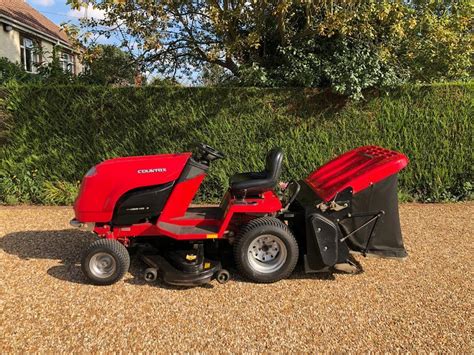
(143, 204)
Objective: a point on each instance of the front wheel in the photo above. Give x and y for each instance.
(266, 251)
(105, 262)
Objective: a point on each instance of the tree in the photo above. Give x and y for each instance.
(109, 65)
(346, 44)
(164, 82)
(215, 75)
(53, 73)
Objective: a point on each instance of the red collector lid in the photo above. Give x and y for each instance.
(358, 168)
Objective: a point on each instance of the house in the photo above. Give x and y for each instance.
(29, 38)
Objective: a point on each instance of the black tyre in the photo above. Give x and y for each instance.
(151, 274)
(105, 262)
(266, 250)
(222, 276)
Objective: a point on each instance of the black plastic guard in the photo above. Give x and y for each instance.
(326, 234)
(386, 239)
(139, 204)
(323, 246)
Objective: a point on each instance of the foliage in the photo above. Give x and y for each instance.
(105, 65)
(164, 82)
(47, 73)
(214, 75)
(108, 65)
(52, 73)
(55, 134)
(11, 71)
(345, 44)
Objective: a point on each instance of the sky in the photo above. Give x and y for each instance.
(58, 11)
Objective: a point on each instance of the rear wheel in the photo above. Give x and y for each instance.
(266, 250)
(105, 262)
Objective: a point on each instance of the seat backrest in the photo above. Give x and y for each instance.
(273, 164)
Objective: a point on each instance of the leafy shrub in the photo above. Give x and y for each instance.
(348, 67)
(53, 135)
(11, 71)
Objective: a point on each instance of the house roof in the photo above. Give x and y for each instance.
(22, 13)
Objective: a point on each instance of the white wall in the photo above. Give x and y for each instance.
(47, 51)
(10, 48)
(10, 45)
(78, 64)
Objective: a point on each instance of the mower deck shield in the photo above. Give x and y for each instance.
(174, 276)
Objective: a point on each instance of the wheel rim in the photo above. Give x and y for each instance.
(267, 253)
(102, 265)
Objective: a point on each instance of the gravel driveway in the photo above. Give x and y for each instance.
(422, 303)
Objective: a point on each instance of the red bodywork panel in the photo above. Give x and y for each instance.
(100, 191)
(181, 197)
(210, 228)
(358, 169)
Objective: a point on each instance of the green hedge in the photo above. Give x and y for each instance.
(52, 135)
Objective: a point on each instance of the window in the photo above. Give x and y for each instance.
(30, 57)
(66, 61)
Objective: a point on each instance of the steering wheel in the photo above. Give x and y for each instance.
(210, 153)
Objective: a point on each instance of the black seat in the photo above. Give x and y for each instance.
(254, 183)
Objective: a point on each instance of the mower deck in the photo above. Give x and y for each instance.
(173, 276)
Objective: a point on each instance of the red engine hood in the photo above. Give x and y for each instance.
(101, 189)
(358, 168)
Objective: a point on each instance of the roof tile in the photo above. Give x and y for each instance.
(22, 12)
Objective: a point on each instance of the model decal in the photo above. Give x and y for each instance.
(150, 171)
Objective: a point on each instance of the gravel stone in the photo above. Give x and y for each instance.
(423, 304)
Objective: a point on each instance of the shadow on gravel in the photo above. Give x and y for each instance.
(67, 247)
(63, 245)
